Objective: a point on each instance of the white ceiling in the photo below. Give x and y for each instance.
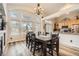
(69, 10)
(49, 8)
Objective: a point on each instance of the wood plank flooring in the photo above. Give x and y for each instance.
(20, 49)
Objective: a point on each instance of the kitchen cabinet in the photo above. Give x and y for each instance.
(2, 42)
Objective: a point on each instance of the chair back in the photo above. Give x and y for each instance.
(29, 34)
(55, 38)
(33, 36)
(55, 42)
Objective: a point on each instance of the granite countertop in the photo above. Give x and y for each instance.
(69, 33)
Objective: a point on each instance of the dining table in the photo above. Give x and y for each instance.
(44, 40)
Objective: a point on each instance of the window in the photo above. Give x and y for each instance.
(14, 25)
(13, 14)
(26, 17)
(20, 22)
(27, 26)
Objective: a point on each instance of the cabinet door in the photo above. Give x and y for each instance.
(1, 45)
(0, 21)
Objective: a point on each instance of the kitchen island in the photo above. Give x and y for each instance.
(69, 39)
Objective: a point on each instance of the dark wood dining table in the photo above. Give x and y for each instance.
(44, 40)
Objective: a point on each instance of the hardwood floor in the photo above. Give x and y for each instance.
(20, 49)
(69, 51)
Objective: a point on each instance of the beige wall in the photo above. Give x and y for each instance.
(68, 22)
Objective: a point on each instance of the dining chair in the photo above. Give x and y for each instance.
(54, 44)
(35, 44)
(29, 39)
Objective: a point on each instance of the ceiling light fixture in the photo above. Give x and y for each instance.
(39, 10)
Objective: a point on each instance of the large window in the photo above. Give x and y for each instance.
(26, 26)
(13, 14)
(19, 22)
(15, 26)
(26, 18)
(29, 26)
